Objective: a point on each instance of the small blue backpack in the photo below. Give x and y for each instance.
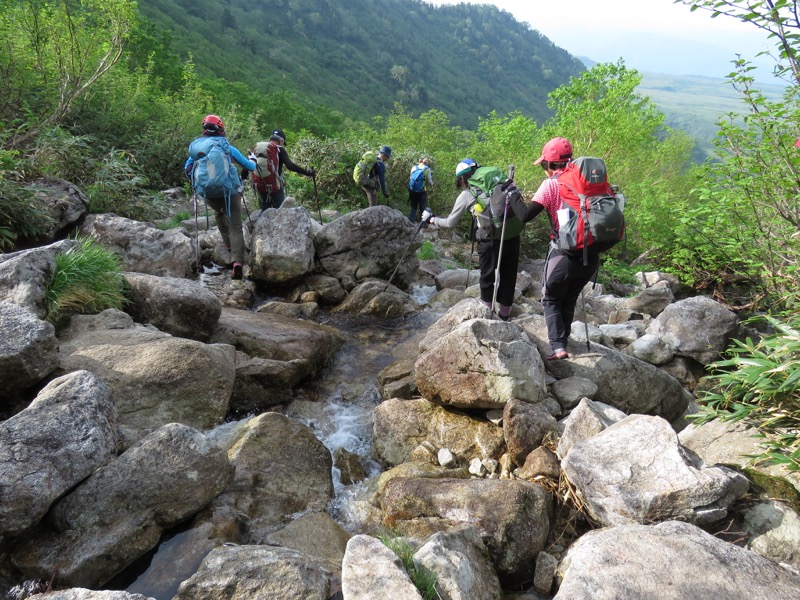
(416, 182)
(213, 172)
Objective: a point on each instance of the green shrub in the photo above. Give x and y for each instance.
(426, 251)
(22, 214)
(423, 579)
(760, 385)
(87, 280)
(175, 220)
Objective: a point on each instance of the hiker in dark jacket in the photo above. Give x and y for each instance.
(565, 275)
(488, 249)
(275, 198)
(228, 211)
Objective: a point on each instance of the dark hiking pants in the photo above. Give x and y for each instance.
(564, 278)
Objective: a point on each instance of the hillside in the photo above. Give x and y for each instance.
(363, 56)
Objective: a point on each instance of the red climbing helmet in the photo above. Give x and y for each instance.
(213, 123)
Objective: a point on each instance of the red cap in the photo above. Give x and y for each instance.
(556, 150)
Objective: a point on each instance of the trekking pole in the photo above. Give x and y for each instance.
(421, 223)
(196, 234)
(316, 198)
(500, 250)
(244, 203)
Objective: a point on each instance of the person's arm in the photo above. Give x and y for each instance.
(525, 212)
(429, 177)
(187, 167)
(250, 165)
(284, 160)
(462, 204)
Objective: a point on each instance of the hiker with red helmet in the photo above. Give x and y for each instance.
(565, 273)
(216, 179)
(268, 179)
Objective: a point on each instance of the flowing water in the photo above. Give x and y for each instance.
(337, 406)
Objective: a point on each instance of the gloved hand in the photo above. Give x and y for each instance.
(245, 173)
(426, 216)
(252, 157)
(311, 172)
(511, 191)
(507, 185)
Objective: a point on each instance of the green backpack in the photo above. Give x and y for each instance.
(361, 172)
(489, 206)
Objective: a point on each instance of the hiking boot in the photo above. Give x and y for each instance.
(559, 354)
(238, 270)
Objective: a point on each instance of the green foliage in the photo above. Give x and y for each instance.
(745, 222)
(426, 251)
(423, 579)
(22, 214)
(86, 280)
(359, 58)
(58, 49)
(175, 220)
(760, 385)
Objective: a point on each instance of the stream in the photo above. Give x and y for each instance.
(337, 406)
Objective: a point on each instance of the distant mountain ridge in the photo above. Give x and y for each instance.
(361, 57)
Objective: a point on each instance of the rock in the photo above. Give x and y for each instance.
(370, 566)
(282, 247)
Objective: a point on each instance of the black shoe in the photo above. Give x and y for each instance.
(238, 271)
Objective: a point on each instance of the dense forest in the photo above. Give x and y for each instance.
(360, 57)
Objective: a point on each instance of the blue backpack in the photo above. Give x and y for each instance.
(213, 172)
(417, 181)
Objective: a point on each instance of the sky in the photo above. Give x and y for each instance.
(652, 36)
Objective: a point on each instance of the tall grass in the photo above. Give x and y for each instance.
(423, 579)
(760, 385)
(87, 280)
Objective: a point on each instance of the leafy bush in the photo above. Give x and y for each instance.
(760, 385)
(423, 579)
(22, 214)
(87, 280)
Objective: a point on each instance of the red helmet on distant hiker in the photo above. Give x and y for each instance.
(213, 123)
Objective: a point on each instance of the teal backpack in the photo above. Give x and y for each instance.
(213, 172)
(416, 183)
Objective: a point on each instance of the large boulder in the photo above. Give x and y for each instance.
(281, 469)
(399, 426)
(120, 512)
(512, 516)
(257, 573)
(623, 381)
(697, 327)
(480, 364)
(275, 337)
(66, 433)
(376, 298)
(28, 351)
(142, 247)
(26, 275)
(371, 570)
(178, 306)
(636, 471)
(369, 243)
(154, 378)
(65, 203)
(282, 246)
(669, 561)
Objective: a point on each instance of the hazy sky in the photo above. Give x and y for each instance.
(650, 35)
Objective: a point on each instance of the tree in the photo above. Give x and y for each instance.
(779, 18)
(753, 228)
(59, 48)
